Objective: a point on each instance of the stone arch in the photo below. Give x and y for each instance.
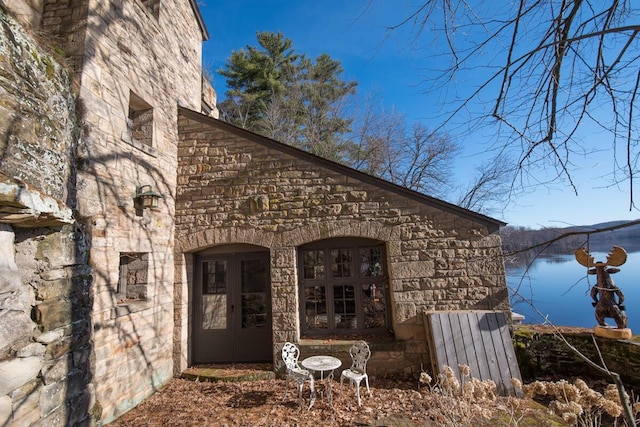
(289, 243)
(328, 229)
(198, 240)
(185, 248)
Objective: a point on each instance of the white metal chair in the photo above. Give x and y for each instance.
(290, 354)
(360, 354)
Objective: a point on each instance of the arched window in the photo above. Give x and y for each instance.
(343, 287)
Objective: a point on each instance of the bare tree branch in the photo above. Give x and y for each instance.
(558, 65)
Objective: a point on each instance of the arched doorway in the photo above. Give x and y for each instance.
(232, 305)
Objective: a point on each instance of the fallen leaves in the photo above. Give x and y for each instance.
(395, 402)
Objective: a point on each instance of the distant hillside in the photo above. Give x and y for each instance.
(599, 238)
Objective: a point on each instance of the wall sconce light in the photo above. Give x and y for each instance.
(146, 198)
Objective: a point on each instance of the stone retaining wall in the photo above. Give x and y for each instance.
(389, 357)
(543, 354)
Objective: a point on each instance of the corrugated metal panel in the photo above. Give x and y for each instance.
(479, 339)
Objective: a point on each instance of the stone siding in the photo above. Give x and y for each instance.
(121, 56)
(237, 188)
(131, 56)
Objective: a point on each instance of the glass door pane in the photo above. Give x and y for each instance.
(214, 295)
(254, 295)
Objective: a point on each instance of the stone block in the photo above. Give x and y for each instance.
(62, 249)
(18, 372)
(50, 337)
(79, 407)
(53, 314)
(58, 418)
(10, 280)
(7, 249)
(5, 410)
(33, 349)
(53, 289)
(51, 397)
(15, 324)
(56, 370)
(611, 332)
(408, 332)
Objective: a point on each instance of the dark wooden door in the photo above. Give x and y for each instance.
(232, 308)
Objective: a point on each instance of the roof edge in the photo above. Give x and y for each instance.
(203, 27)
(492, 224)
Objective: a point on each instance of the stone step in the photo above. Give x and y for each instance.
(232, 373)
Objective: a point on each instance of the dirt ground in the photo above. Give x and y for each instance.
(394, 402)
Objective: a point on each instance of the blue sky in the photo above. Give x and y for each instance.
(392, 67)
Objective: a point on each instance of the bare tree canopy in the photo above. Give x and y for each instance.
(284, 95)
(550, 74)
(387, 146)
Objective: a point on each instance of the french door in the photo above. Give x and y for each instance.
(232, 308)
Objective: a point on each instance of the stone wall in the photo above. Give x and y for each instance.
(130, 58)
(235, 187)
(27, 12)
(45, 278)
(37, 115)
(124, 58)
(543, 354)
(46, 347)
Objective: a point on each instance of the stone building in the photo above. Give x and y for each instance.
(274, 244)
(139, 235)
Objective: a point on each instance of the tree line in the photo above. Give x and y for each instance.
(524, 243)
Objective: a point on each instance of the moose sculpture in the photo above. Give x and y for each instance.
(607, 297)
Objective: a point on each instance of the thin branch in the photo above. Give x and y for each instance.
(629, 132)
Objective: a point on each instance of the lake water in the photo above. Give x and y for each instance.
(559, 288)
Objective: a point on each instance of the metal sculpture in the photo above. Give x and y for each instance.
(607, 297)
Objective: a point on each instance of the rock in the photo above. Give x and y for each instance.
(17, 372)
(612, 332)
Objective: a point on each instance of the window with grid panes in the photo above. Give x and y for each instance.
(343, 287)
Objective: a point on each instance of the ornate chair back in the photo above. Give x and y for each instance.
(360, 354)
(290, 354)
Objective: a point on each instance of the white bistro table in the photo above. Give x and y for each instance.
(323, 364)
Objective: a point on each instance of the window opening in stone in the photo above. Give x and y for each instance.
(153, 6)
(353, 297)
(134, 273)
(140, 120)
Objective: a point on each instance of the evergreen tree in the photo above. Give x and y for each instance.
(288, 97)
